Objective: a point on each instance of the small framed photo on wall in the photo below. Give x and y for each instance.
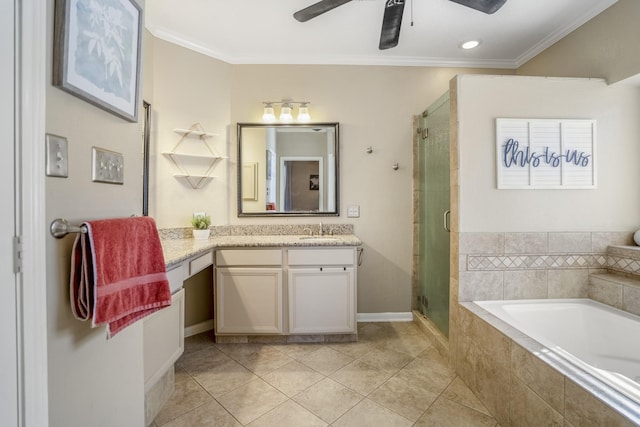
(314, 182)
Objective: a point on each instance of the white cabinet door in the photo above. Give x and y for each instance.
(249, 300)
(163, 339)
(322, 300)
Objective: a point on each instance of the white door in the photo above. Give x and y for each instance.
(8, 323)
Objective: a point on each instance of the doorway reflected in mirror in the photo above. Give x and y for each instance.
(300, 175)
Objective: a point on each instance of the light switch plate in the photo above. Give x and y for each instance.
(57, 156)
(107, 166)
(353, 211)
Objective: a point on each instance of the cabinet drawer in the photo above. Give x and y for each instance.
(176, 277)
(200, 263)
(322, 257)
(249, 257)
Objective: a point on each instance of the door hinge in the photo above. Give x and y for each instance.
(17, 254)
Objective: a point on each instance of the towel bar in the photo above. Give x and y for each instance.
(61, 227)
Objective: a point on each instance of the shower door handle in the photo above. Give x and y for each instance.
(445, 220)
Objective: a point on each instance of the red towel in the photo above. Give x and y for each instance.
(118, 273)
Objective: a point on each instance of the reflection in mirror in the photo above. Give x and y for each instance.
(286, 170)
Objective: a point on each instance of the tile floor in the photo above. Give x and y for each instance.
(392, 376)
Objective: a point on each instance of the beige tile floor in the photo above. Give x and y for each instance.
(392, 376)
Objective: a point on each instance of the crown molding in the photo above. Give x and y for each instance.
(404, 61)
(554, 37)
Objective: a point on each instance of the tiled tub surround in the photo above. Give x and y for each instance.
(496, 266)
(620, 287)
(522, 383)
(503, 366)
(584, 333)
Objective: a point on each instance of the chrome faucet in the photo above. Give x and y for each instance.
(321, 233)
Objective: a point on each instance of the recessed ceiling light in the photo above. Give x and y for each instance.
(470, 44)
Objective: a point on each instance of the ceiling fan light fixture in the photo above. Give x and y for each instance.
(470, 44)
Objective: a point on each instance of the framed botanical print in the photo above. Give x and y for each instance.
(96, 54)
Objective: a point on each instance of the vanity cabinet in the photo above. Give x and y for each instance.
(163, 336)
(163, 332)
(285, 291)
(249, 291)
(321, 291)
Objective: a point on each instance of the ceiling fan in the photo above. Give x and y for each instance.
(392, 18)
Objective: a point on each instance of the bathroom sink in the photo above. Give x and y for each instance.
(318, 238)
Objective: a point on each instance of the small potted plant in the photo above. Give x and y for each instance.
(201, 226)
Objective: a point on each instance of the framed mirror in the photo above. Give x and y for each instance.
(288, 169)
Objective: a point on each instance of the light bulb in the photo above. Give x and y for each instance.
(303, 113)
(285, 114)
(268, 116)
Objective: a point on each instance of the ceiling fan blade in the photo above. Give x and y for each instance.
(486, 6)
(391, 23)
(316, 9)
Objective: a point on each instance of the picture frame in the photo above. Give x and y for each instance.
(96, 53)
(314, 182)
(146, 152)
(250, 181)
(546, 154)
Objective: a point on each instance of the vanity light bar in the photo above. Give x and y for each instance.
(286, 111)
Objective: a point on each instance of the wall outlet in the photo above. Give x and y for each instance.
(353, 211)
(107, 166)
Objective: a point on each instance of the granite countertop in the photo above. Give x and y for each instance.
(178, 250)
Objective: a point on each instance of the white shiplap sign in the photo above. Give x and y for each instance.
(546, 154)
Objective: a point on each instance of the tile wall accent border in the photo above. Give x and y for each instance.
(619, 263)
(537, 261)
(623, 264)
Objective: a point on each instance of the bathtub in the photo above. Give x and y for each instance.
(600, 340)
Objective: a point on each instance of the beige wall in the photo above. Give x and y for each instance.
(374, 106)
(605, 47)
(92, 381)
(188, 88)
(613, 206)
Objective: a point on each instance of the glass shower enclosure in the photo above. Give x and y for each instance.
(434, 214)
